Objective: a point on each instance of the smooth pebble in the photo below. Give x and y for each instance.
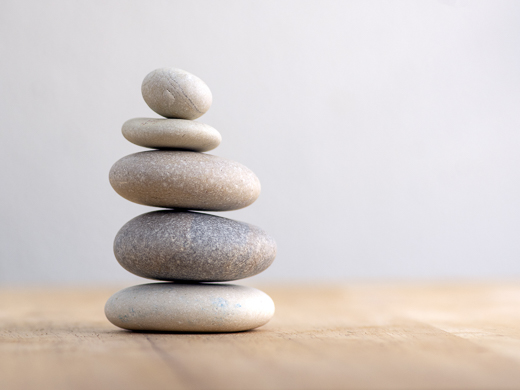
(173, 307)
(184, 180)
(175, 93)
(177, 245)
(171, 134)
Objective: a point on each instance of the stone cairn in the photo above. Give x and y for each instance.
(184, 248)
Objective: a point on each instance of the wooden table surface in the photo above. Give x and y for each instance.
(381, 336)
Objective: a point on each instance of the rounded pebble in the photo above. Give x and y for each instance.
(171, 134)
(172, 307)
(175, 93)
(184, 180)
(179, 245)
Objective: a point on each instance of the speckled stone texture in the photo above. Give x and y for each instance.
(172, 307)
(176, 245)
(175, 93)
(184, 180)
(171, 134)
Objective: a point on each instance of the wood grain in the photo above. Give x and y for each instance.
(435, 336)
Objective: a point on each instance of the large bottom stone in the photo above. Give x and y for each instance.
(176, 307)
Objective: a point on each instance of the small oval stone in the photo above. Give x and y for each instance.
(178, 245)
(172, 307)
(171, 134)
(175, 93)
(184, 180)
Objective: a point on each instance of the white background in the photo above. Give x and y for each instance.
(385, 134)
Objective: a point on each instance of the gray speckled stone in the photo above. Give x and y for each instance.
(171, 307)
(185, 180)
(171, 134)
(175, 93)
(177, 245)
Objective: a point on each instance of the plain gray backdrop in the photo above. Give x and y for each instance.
(385, 134)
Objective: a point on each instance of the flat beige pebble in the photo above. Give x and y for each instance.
(171, 134)
(184, 180)
(172, 307)
(175, 93)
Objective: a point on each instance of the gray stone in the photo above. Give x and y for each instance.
(171, 134)
(172, 307)
(184, 180)
(175, 93)
(177, 245)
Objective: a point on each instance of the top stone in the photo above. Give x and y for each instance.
(175, 93)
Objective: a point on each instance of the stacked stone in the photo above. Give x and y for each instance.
(187, 249)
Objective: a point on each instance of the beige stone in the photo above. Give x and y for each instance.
(175, 93)
(162, 133)
(184, 180)
(173, 307)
